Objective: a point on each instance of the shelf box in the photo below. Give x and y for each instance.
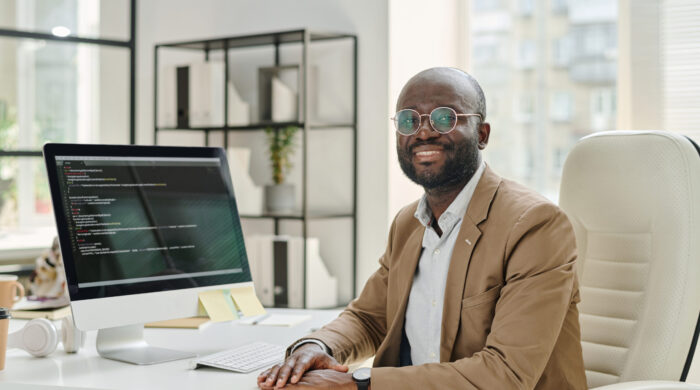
(278, 93)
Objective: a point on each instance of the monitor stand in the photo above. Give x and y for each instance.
(126, 344)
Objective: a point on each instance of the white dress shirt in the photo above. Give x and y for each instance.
(425, 302)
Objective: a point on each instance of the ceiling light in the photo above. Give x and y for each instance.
(60, 31)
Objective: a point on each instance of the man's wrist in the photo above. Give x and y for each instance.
(319, 343)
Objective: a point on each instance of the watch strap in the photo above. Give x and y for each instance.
(362, 385)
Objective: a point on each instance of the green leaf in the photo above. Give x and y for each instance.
(281, 147)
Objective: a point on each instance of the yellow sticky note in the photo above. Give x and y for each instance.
(201, 311)
(247, 301)
(216, 305)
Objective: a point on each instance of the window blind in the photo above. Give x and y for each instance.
(680, 58)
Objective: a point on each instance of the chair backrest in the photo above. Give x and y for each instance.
(634, 201)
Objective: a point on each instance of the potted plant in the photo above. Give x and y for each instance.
(279, 197)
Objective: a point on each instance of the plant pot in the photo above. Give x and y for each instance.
(279, 198)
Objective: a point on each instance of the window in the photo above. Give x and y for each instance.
(561, 107)
(525, 7)
(559, 6)
(524, 108)
(60, 81)
(487, 5)
(527, 52)
(595, 40)
(489, 50)
(553, 102)
(561, 51)
(602, 109)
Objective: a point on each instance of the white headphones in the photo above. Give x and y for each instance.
(40, 337)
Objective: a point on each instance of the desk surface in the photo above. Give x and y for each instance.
(87, 369)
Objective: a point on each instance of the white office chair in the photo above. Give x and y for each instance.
(634, 201)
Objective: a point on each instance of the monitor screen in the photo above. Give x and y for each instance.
(138, 223)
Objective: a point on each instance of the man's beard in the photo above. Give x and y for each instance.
(461, 162)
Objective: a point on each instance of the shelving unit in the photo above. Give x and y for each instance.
(277, 40)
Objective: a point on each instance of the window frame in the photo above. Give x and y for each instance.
(130, 45)
(23, 154)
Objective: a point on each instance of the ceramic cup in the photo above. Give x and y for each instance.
(11, 291)
(4, 323)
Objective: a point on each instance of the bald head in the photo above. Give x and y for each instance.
(466, 88)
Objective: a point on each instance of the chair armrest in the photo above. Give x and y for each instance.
(650, 385)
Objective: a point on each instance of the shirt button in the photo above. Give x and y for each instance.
(437, 251)
(434, 303)
(432, 355)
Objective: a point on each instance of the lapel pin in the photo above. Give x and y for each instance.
(468, 242)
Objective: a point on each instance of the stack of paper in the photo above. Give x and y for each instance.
(181, 323)
(50, 314)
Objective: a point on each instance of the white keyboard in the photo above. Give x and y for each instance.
(246, 358)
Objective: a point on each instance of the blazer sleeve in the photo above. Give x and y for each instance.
(540, 256)
(361, 327)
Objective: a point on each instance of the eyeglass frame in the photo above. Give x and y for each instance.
(420, 118)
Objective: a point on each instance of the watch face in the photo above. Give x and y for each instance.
(361, 374)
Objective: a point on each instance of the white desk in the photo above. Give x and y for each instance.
(87, 369)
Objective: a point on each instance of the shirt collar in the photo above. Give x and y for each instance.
(455, 211)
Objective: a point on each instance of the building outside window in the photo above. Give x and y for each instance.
(560, 81)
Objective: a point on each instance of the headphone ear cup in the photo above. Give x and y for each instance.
(39, 337)
(73, 338)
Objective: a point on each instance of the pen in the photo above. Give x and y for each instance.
(259, 319)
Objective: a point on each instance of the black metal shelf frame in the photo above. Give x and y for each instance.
(276, 39)
(259, 126)
(130, 45)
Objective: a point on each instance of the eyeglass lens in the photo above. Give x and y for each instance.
(442, 119)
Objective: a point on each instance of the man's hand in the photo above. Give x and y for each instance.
(325, 379)
(307, 357)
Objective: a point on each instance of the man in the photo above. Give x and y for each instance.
(477, 288)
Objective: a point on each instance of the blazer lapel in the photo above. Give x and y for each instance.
(469, 235)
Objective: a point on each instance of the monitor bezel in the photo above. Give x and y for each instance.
(51, 150)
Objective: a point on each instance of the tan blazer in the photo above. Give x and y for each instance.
(509, 320)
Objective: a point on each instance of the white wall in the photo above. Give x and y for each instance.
(421, 35)
(113, 88)
(161, 21)
(639, 96)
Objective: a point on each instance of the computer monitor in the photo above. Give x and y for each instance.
(143, 230)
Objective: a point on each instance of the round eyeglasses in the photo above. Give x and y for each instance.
(442, 119)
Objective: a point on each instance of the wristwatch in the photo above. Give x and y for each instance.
(361, 378)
